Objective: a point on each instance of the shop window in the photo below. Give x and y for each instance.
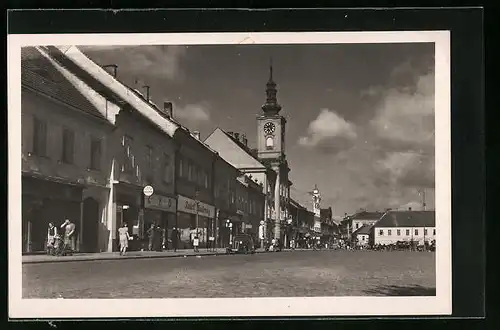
(68, 144)
(39, 137)
(95, 154)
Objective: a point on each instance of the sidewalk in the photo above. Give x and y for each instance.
(43, 258)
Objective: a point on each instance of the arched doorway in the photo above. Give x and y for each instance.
(90, 230)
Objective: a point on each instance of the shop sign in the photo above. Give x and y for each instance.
(148, 191)
(189, 205)
(163, 203)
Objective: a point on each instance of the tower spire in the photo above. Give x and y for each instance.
(271, 107)
(271, 69)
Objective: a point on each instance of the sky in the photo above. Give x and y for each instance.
(360, 116)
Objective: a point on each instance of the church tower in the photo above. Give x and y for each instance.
(271, 125)
(271, 150)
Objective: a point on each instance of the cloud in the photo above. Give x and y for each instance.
(405, 115)
(142, 61)
(329, 132)
(199, 112)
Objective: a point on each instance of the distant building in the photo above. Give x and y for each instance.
(364, 218)
(394, 226)
(362, 235)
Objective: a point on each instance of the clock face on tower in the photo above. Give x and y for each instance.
(269, 128)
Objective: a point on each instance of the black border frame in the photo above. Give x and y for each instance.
(467, 75)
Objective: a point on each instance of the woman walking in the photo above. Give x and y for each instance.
(124, 238)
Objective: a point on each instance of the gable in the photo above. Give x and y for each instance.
(231, 152)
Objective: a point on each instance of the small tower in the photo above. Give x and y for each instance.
(316, 200)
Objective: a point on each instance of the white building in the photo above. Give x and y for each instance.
(394, 226)
(362, 235)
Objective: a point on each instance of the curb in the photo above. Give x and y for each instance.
(128, 257)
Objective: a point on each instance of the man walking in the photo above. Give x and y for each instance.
(174, 237)
(151, 236)
(69, 234)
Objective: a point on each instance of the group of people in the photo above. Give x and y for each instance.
(157, 238)
(56, 243)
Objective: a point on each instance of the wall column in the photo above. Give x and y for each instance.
(277, 209)
(111, 210)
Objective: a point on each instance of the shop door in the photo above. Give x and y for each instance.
(90, 230)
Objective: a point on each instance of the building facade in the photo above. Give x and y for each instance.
(65, 166)
(195, 164)
(395, 226)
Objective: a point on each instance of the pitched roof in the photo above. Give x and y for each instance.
(364, 230)
(242, 146)
(408, 219)
(364, 215)
(73, 57)
(39, 74)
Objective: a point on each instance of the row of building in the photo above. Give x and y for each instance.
(91, 144)
(389, 227)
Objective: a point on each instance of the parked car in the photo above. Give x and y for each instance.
(243, 244)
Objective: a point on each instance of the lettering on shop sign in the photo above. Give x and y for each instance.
(191, 206)
(159, 202)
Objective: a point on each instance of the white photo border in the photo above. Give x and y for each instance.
(441, 304)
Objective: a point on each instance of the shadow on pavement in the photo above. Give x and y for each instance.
(398, 290)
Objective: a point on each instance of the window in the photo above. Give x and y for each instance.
(416, 232)
(95, 154)
(149, 159)
(180, 169)
(425, 231)
(269, 143)
(129, 162)
(407, 232)
(39, 137)
(389, 232)
(68, 144)
(167, 178)
(434, 232)
(398, 232)
(363, 237)
(357, 225)
(206, 180)
(381, 232)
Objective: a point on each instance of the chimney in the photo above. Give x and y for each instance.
(196, 135)
(111, 69)
(237, 136)
(168, 109)
(147, 92)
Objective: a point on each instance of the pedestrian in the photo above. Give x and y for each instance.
(124, 238)
(196, 242)
(158, 239)
(174, 237)
(69, 235)
(51, 238)
(151, 236)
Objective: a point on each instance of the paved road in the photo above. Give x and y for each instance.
(300, 273)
